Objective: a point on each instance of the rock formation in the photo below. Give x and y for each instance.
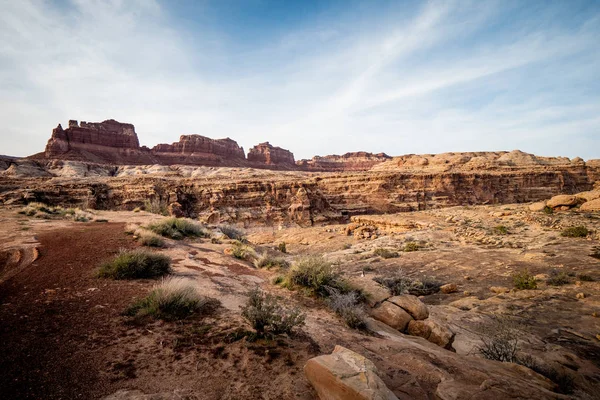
(104, 142)
(265, 153)
(200, 150)
(357, 161)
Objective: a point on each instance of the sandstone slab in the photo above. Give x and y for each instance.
(346, 375)
(592, 205)
(562, 200)
(411, 304)
(392, 315)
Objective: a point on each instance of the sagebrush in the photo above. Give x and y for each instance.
(268, 317)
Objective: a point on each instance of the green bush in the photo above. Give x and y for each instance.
(268, 262)
(501, 230)
(282, 247)
(585, 278)
(147, 238)
(173, 299)
(524, 280)
(268, 317)
(558, 278)
(575, 231)
(411, 246)
(385, 253)
(401, 284)
(136, 264)
(317, 275)
(233, 233)
(242, 251)
(178, 228)
(548, 210)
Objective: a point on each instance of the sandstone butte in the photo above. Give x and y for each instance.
(212, 179)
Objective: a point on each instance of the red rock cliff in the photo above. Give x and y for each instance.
(265, 153)
(200, 150)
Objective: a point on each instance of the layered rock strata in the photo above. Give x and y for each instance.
(357, 161)
(265, 153)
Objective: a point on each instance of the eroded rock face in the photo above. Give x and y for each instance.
(106, 142)
(200, 150)
(356, 161)
(265, 153)
(346, 375)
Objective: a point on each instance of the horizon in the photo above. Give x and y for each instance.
(315, 78)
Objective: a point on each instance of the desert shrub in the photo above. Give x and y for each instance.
(349, 307)
(585, 278)
(317, 275)
(267, 316)
(385, 253)
(150, 239)
(501, 230)
(242, 251)
(282, 247)
(173, 299)
(411, 246)
(233, 233)
(595, 252)
(137, 210)
(136, 264)
(401, 284)
(558, 278)
(562, 380)
(268, 262)
(500, 342)
(80, 218)
(524, 280)
(177, 228)
(548, 210)
(215, 240)
(155, 207)
(130, 229)
(575, 231)
(101, 220)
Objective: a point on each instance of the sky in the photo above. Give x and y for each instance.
(314, 77)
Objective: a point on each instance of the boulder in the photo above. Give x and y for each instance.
(392, 315)
(589, 195)
(539, 206)
(499, 289)
(566, 200)
(449, 288)
(592, 205)
(432, 331)
(411, 304)
(375, 293)
(346, 375)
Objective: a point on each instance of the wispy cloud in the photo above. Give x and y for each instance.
(446, 76)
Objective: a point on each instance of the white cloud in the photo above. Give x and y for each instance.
(421, 81)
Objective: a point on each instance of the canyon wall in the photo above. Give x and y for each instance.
(285, 197)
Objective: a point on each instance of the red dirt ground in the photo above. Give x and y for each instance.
(62, 335)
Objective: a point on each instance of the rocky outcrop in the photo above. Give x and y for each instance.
(265, 153)
(105, 142)
(357, 161)
(346, 375)
(200, 150)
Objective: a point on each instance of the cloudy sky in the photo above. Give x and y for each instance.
(316, 77)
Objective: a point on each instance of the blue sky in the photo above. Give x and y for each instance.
(316, 77)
